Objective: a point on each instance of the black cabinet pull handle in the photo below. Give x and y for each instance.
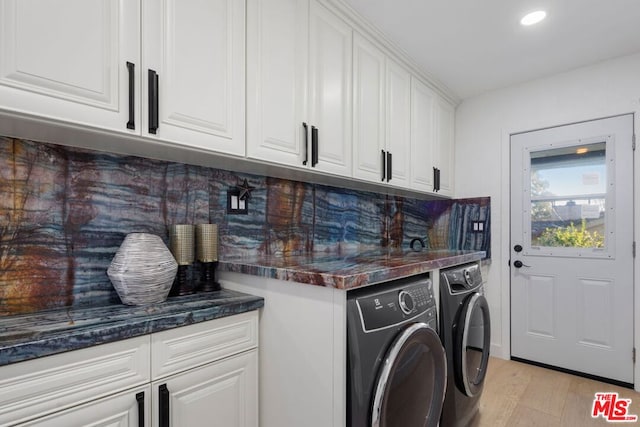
(306, 143)
(314, 146)
(153, 101)
(384, 167)
(140, 400)
(389, 167)
(163, 412)
(435, 179)
(131, 124)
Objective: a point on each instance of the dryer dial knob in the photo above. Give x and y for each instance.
(467, 277)
(407, 304)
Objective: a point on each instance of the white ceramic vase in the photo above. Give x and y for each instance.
(142, 270)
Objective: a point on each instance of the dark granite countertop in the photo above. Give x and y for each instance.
(28, 336)
(25, 337)
(348, 270)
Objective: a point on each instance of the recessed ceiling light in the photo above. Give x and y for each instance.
(533, 17)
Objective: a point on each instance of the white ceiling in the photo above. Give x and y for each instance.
(474, 46)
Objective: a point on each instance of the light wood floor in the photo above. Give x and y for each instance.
(518, 395)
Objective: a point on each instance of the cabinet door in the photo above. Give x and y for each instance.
(398, 123)
(67, 60)
(277, 40)
(368, 110)
(41, 386)
(444, 145)
(422, 136)
(196, 50)
(180, 349)
(330, 88)
(223, 393)
(127, 409)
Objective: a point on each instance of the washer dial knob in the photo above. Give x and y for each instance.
(406, 302)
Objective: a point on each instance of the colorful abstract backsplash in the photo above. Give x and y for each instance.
(64, 212)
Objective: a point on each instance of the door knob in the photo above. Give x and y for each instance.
(518, 264)
(517, 248)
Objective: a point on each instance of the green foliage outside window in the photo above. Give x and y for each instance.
(571, 236)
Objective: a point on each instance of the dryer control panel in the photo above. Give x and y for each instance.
(399, 305)
(463, 278)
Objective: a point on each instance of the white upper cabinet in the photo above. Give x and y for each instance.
(67, 60)
(432, 127)
(443, 148)
(172, 70)
(277, 58)
(330, 49)
(381, 116)
(369, 107)
(398, 122)
(422, 136)
(193, 73)
(299, 85)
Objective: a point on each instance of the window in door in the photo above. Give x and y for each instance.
(568, 199)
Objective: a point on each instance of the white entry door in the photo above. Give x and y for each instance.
(572, 247)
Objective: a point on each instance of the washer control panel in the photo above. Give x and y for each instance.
(407, 304)
(394, 306)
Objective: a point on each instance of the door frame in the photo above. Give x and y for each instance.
(504, 349)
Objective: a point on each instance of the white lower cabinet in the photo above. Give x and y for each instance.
(218, 394)
(303, 353)
(41, 387)
(206, 374)
(127, 409)
(202, 374)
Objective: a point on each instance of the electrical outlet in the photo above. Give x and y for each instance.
(477, 226)
(236, 205)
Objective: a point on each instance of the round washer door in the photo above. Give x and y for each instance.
(412, 381)
(472, 342)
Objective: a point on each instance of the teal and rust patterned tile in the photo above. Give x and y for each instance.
(65, 211)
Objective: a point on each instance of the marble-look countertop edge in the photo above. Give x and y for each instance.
(314, 274)
(68, 339)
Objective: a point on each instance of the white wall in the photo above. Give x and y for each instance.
(483, 126)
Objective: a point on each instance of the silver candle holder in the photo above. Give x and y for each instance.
(207, 255)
